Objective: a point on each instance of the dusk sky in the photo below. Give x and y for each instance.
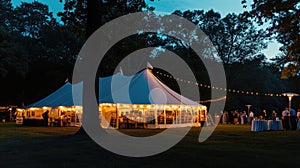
(222, 6)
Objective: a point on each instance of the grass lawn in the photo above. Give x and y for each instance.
(229, 146)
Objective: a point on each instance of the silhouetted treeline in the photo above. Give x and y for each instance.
(37, 53)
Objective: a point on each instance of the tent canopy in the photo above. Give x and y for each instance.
(61, 97)
(141, 88)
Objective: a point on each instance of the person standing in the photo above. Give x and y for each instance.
(230, 117)
(286, 119)
(225, 117)
(298, 119)
(293, 119)
(263, 115)
(274, 115)
(236, 117)
(298, 115)
(45, 117)
(251, 116)
(244, 117)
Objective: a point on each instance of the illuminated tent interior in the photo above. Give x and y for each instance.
(138, 101)
(59, 104)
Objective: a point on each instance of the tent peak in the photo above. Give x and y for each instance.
(149, 66)
(121, 71)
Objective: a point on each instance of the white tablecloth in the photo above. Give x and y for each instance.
(275, 125)
(259, 125)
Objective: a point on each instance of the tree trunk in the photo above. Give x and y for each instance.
(93, 23)
(93, 16)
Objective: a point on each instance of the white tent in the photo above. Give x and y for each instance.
(60, 97)
(142, 88)
(140, 97)
(143, 98)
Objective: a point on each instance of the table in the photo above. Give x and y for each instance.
(275, 125)
(259, 125)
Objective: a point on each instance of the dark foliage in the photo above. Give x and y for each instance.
(37, 54)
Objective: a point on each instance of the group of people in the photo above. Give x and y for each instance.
(267, 116)
(63, 120)
(290, 118)
(234, 117)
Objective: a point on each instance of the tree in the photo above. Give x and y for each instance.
(74, 16)
(83, 17)
(33, 48)
(277, 63)
(59, 45)
(284, 22)
(235, 37)
(6, 13)
(13, 67)
(86, 16)
(12, 55)
(251, 77)
(31, 18)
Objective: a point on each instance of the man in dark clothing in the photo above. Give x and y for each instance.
(230, 117)
(293, 119)
(286, 118)
(263, 114)
(45, 117)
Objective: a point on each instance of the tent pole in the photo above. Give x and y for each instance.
(177, 116)
(180, 115)
(165, 117)
(184, 117)
(117, 116)
(75, 120)
(173, 115)
(102, 117)
(197, 115)
(206, 117)
(155, 117)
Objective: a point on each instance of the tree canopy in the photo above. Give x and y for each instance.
(234, 36)
(84, 16)
(37, 53)
(283, 19)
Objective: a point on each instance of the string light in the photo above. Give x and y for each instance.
(214, 100)
(236, 91)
